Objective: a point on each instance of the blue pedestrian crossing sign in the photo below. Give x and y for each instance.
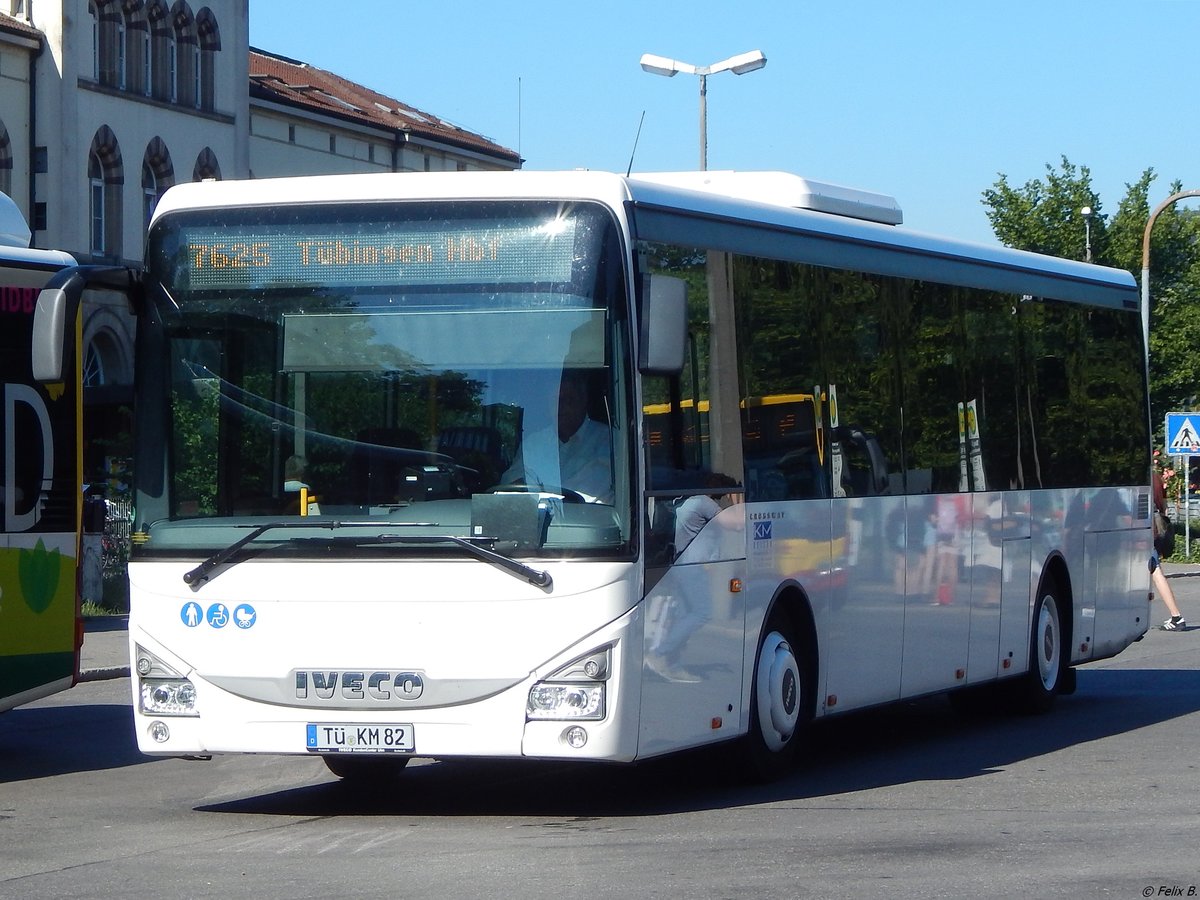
(1183, 434)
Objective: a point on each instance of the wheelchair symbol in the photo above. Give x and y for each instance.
(218, 615)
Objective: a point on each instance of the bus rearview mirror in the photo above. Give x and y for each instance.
(664, 326)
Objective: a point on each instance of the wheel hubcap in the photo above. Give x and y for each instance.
(1050, 645)
(778, 684)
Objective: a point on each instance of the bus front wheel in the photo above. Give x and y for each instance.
(1047, 654)
(778, 700)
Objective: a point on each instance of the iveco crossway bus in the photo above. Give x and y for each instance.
(596, 467)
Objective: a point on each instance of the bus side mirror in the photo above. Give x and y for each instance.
(53, 321)
(664, 326)
(57, 311)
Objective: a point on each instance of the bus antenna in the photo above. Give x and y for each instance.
(635, 143)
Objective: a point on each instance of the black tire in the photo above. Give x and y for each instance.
(779, 702)
(362, 769)
(1047, 654)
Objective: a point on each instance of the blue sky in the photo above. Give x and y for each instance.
(926, 101)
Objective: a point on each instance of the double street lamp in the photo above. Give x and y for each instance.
(738, 65)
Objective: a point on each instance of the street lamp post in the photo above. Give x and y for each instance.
(1086, 212)
(1146, 265)
(738, 65)
(1174, 198)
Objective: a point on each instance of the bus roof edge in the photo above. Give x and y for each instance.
(785, 189)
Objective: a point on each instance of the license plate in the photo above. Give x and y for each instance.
(326, 737)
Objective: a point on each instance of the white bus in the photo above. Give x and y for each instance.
(591, 467)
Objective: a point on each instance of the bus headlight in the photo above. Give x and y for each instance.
(575, 691)
(169, 697)
(565, 701)
(164, 691)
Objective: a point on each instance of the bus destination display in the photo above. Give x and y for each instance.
(248, 259)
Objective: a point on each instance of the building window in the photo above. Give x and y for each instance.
(161, 64)
(108, 43)
(121, 54)
(95, 17)
(93, 366)
(333, 143)
(105, 179)
(196, 72)
(96, 201)
(291, 134)
(172, 86)
(147, 62)
(185, 62)
(209, 41)
(206, 168)
(149, 193)
(134, 50)
(158, 174)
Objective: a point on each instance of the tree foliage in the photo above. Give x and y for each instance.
(1044, 215)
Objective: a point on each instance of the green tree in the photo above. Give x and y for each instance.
(1044, 216)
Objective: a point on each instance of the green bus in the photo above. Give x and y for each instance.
(41, 630)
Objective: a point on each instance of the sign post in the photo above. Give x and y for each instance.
(1183, 440)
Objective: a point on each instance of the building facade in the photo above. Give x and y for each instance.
(105, 104)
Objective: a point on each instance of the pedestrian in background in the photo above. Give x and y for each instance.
(1161, 587)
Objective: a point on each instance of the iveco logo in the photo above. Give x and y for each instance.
(329, 685)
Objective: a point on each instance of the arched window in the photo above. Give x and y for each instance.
(186, 60)
(93, 365)
(137, 51)
(98, 208)
(206, 166)
(105, 178)
(158, 174)
(108, 348)
(161, 54)
(209, 35)
(108, 42)
(94, 15)
(122, 53)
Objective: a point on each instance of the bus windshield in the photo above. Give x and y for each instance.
(445, 368)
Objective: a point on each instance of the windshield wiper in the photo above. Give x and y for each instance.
(199, 575)
(538, 578)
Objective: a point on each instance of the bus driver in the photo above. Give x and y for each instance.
(575, 453)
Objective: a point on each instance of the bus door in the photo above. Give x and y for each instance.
(865, 617)
(695, 550)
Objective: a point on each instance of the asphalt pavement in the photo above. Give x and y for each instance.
(105, 651)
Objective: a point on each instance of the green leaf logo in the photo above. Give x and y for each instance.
(39, 571)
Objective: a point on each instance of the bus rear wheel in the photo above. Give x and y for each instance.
(778, 701)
